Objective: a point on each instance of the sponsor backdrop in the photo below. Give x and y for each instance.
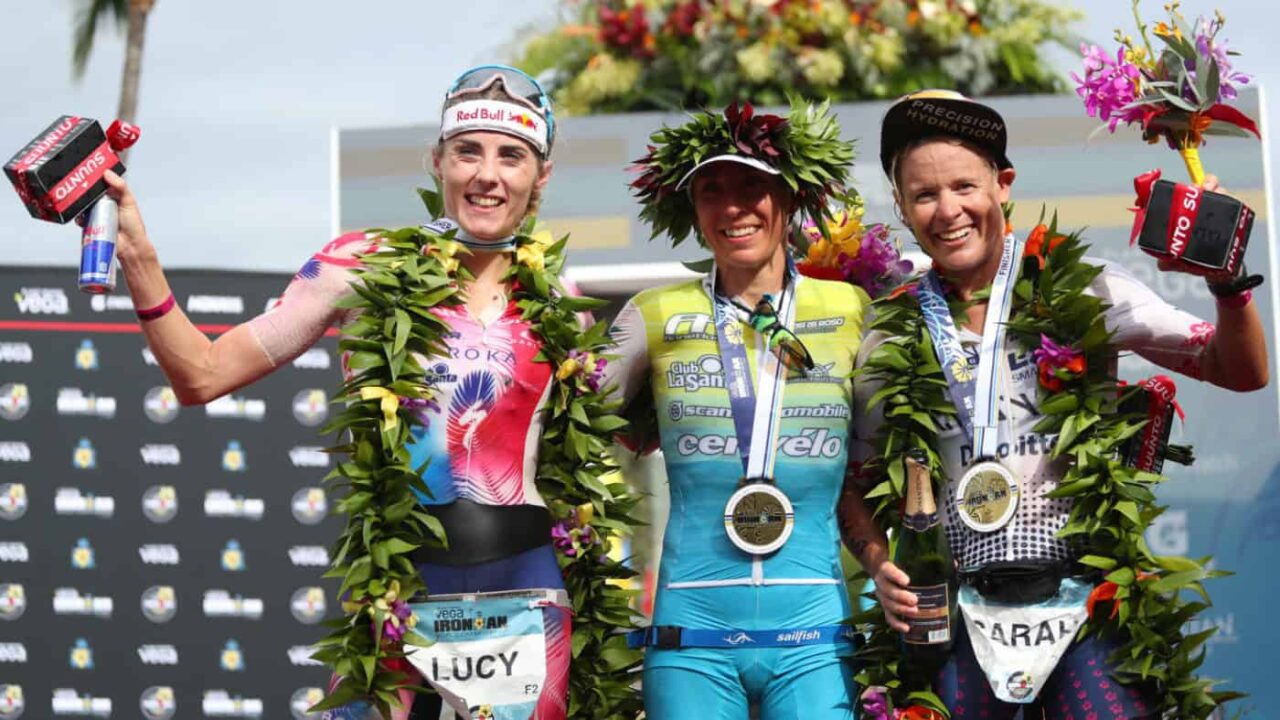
(155, 559)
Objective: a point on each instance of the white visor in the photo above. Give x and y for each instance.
(751, 162)
(495, 116)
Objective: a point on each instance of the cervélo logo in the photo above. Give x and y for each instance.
(215, 304)
(42, 301)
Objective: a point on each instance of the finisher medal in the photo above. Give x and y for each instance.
(759, 518)
(987, 496)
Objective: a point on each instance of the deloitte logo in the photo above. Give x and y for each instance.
(161, 404)
(13, 601)
(11, 702)
(13, 501)
(307, 605)
(311, 407)
(309, 506)
(158, 703)
(160, 503)
(15, 401)
(159, 603)
(302, 700)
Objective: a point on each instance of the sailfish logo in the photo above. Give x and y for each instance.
(738, 638)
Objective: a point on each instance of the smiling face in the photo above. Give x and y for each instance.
(488, 181)
(742, 214)
(950, 196)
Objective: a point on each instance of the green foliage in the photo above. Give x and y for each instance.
(624, 55)
(416, 271)
(1112, 505)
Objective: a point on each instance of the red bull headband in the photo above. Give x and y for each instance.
(524, 112)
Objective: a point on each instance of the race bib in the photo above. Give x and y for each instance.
(1018, 646)
(487, 656)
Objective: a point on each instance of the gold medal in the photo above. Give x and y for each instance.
(987, 496)
(759, 518)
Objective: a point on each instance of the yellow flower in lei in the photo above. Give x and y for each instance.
(447, 250)
(532, 251)
(845, 230)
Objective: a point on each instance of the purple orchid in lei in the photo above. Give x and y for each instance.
(572, 538)
(1052, 354)
(399, 622)
(1207, 45)
(877, 266)
(1109, 86)
(874, 704)
(421, 408)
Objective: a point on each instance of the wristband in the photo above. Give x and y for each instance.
(159, 311)
(1235, 302)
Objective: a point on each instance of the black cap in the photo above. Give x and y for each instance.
(942, 113)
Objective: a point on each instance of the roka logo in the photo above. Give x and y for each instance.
(42, 301)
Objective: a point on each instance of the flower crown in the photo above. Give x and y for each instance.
(804, 147)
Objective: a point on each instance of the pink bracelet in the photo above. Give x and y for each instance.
(1235, 302)
(158, 311)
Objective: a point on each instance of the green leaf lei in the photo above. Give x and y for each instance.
(1112, 505)
(415, 271)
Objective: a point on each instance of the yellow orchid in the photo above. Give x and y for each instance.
(388, 401)
(533, 252)
(585, 512)
(568, 369)
(447, 252)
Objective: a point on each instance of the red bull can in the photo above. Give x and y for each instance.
(98, 247)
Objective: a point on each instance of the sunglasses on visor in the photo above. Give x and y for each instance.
(518, 85)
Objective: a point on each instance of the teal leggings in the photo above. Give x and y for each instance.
(718, 684)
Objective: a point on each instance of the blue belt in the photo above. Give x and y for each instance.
(669, 637)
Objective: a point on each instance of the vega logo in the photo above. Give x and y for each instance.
(158, 703)
(159, 554)
(310, 407)
(233, 458)
(308, 556)
(87, 355)
(81, 655)
(232, 557)
(16, 352)
(158, 654)
(13, 601)
(161, 404)
(14, 552)
(309, 506)
(15, 401)
(84, 457)
(13, 501)
(15, 452)
(308, 605)
(160, 503)
(159, 603)
(13, 653)
(82, 555)
(231, 659)
(161, 454)
(42, 301)
(302, 700)
(11, 702)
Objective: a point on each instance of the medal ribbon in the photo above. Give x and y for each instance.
(755, 423)
(444, 225)
(974, 394)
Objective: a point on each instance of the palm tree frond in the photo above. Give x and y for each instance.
(85, 27)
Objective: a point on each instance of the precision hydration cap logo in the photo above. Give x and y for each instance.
(15, 401)
(87, 355)
(13, 501)
(160, 503)
(160, 404)
(13, 601)
(158, 703)
(309, 506)
(11, 702)
(310, 407)
(159, 603)
(302, 700)
(307, 605)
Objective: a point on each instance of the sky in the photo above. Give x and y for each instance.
(238, 100)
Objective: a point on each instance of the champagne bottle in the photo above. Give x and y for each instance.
(923, 554)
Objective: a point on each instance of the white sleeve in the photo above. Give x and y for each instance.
(1145, 323)
(308, 306)
(629, 371)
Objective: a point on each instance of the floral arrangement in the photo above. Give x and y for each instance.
(1180, 92)
(414, 271)
(865, 255)
(1141, 601)
(631, 55)
(804, 147)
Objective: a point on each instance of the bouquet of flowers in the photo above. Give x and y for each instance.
(1180, 92)
(865, 255)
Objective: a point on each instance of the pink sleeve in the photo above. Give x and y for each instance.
(1145, 323)
(308, 306)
